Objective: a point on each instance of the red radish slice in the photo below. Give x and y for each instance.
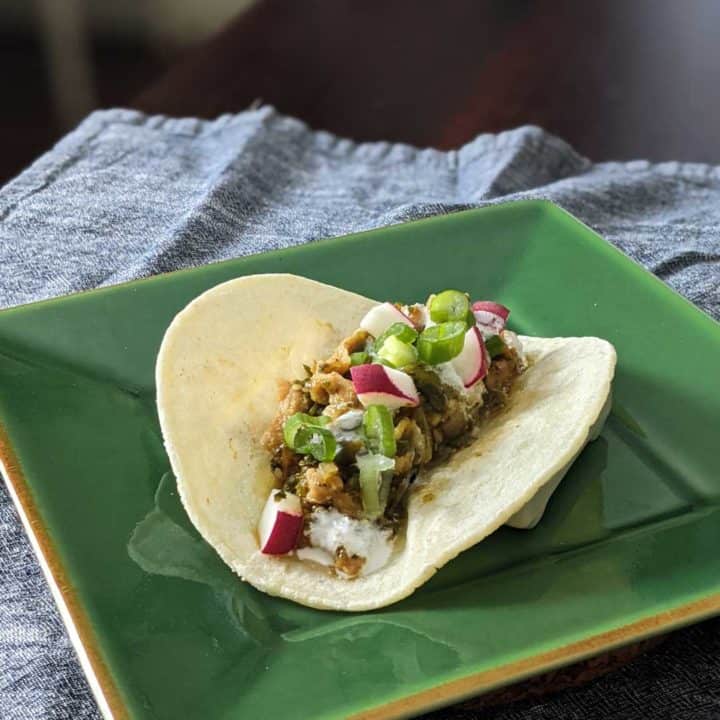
(381, 317)
(380, 385)
(280, 523)
(492, 307)
(472, 362)
(491, 316)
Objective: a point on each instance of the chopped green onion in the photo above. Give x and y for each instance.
(374, 487)
(318, 442)
(359, 358)
(379, 430)
(399, 330)
(306, 435)
(299, 420)
(440, 343)
(495, 346)
(396, 353)
(449, 305)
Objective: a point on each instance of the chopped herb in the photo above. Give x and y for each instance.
(401, 331)
(306, 434)
(495, 346)
(359, 358)
(429, 385)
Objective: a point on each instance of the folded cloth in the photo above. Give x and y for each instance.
(127, 195)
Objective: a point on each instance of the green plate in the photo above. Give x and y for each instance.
(628, 547)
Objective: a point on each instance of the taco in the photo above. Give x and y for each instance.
(337, 451)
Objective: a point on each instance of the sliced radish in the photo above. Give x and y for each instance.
(490, 316)
(472, 362)
(280, 523)
(381, 317)
(492, 307)
(381, 385)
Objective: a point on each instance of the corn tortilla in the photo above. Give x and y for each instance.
(217, 374)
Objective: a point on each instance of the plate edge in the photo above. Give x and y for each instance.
(73, 615)
(553, 208)
(486, 680)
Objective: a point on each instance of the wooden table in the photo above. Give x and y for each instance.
(616, 78)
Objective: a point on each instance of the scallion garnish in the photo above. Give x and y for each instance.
(399, 330)
(374, 487)
(441, 343)
(379, 430)
(396, 353)
(448, 306)
(307, 435)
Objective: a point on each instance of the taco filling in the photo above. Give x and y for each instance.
(404, 391)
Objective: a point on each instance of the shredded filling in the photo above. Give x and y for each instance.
(351, 454)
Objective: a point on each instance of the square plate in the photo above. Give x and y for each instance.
(628, 546)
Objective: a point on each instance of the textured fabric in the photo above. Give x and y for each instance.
(125, 196)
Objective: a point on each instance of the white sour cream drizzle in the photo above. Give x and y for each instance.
(330, 529)
(448, 375)
(350, 420)
(346, 427)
